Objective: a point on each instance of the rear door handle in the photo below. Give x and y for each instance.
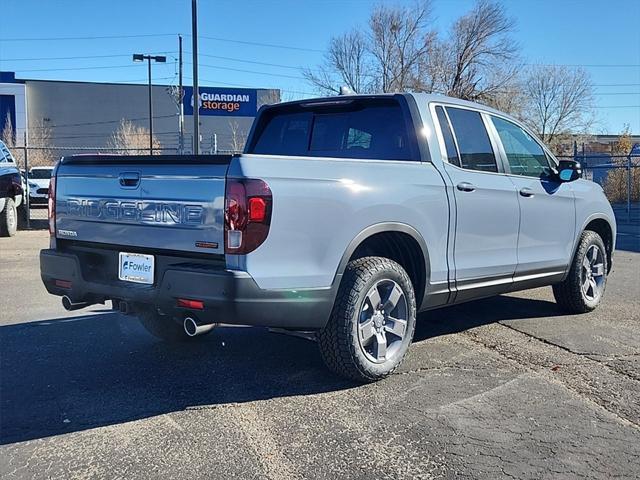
(465, 187)
(526, 192)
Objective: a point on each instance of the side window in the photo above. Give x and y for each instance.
(475, 148)
(449, 144)
(525, 155)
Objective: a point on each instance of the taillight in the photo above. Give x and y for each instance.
(52, 206)
(247, 214)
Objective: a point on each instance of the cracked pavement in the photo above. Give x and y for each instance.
(507, 387)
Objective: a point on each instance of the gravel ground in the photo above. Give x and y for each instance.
(506, 387)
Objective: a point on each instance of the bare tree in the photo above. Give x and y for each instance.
(388, 57)
(130, 139)
(269, 97)
(479, 54)
(401, 52)
(8, 134)
(560, 101)
(41, 151)
(238, 136)
(347, 62)
(400, 42)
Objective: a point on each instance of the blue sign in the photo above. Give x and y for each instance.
(635, 150)
(231, 102)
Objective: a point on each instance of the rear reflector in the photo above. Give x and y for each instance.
(63, 284)
(192, 304)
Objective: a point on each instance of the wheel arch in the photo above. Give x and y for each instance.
(399, 242)
(602, 225)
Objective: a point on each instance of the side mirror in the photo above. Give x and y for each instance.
(569, 170)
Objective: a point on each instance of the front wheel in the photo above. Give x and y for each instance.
(584, 286)
(372, 322)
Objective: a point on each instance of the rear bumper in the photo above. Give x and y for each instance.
(229, 296)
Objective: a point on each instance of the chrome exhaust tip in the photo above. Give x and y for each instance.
(192, 327)
(69, 305)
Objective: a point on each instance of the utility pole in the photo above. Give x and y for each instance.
(150, 110)
(180, 96)
(196, 91)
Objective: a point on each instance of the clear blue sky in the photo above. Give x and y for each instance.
(602, 36)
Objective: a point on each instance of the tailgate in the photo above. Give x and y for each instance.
(159, 202)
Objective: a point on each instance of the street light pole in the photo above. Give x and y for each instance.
(196, 90)
(138, 57)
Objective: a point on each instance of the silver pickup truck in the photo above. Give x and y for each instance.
(345, 216)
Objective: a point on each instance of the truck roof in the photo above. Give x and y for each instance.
(419, 97)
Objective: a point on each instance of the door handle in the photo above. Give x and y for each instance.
(129, 179)
(526, 192)
(465, 187)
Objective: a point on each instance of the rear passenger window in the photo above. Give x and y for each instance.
(474, 145)
(286, 134)
(449, 144)
(363, 129)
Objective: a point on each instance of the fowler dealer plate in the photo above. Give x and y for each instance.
(136, 267)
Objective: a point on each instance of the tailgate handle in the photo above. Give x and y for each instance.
(129, 179)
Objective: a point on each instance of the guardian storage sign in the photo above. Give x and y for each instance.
(232, 102)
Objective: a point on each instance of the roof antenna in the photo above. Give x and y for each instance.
(344, 90)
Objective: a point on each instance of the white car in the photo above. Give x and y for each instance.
(38, 184)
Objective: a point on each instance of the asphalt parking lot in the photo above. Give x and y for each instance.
(506, 387)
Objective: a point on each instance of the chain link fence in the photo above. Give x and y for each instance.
(619, 177)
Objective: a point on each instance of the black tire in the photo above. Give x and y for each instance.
(22, 217)
(570, 294)
(164, 327)
(340, 346)
(8, 219)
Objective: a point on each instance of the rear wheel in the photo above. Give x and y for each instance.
(8, 219)
(372, 322)
(584, 286)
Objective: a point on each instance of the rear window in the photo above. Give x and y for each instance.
(360, 129)
(40, 173)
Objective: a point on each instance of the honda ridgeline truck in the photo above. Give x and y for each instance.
(345, 216)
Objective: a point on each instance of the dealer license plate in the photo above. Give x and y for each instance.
(136, 267)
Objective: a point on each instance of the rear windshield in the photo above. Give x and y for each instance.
(40, 174)
(373, 129)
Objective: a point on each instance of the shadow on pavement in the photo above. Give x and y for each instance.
(481, 312)
(71, 374)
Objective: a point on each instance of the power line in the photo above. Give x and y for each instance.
(261, 44)
(78, 68)
(78, 57)
(618, 106)
(217, 39)
(617, 85)
(92, 37)
(603, 65)
(254, 62)
(83, 124)
(255, 72)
